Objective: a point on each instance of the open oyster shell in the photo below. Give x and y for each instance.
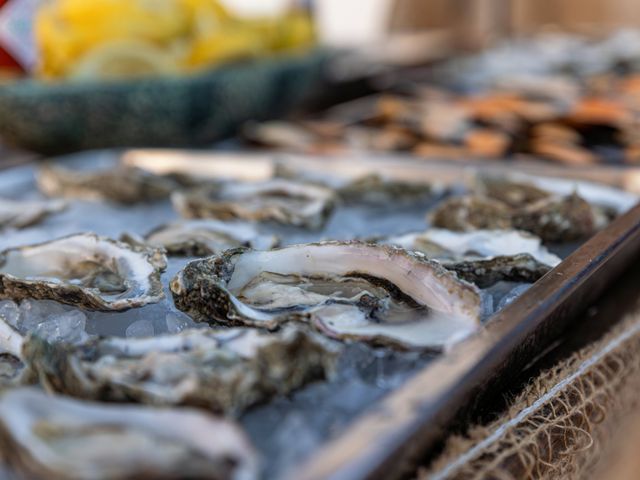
(483, 257)
(84, 270)
(374, 293)
(125, 185)
(224, 370)
(283, 201)
(201, 238)
(24, 213)
(53, 437)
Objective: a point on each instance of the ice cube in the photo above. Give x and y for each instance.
(140, 328)
(10, 312)
(64, 327)
(176, 323)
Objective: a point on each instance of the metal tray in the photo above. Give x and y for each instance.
(393, 435)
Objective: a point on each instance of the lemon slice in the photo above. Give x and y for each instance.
(124, 59)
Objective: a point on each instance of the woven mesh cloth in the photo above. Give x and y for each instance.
(566, 424)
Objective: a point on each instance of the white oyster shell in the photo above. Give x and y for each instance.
(56, 437)
(447, 245)
(224, 371)
(283, 201)
(24, 213)
(208, 237)
(84, 270)
(374, 293)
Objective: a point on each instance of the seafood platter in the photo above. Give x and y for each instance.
(168, 314)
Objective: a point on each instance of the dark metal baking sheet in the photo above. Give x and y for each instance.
(407, 422)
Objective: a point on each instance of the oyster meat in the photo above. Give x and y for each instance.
(49, 436)
(224, 371)
(200, 238)
(283, 201)
(24, 213)
(84, 270)
(483, 257)
(124, 185)
(375, 293)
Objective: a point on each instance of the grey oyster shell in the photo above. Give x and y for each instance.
(124, 185)
(200, 238)
(84, 270)
(559, 219)
(54, 437)
(282, 201)
(554, 219)
(224, 371)
(483, 257)
(471, 212)
(24, 213)
(372, 188)
(347, 290)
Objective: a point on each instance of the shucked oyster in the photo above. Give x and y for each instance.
(24, 213)
(374, 293)
(200, 238)
(283, 201)
(224, 370)
(45, 436)
(483, 257)
(85, 270)
(123, 184)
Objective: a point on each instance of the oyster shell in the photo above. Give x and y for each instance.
(372, 188)
(374, 293)
(559, 219)
(122, 185)
(483, 257)
(201, 238)
(283, 201)
(225, 370)
(84, 270)
(49, 436)
(24, 213)
(471, 212)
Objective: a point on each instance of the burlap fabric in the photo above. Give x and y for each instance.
(567, 423)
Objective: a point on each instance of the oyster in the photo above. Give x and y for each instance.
(201, 238)
(225, 370)
(483, 257)
(372, 188)
(471, 212)
(122, 185)
(374, 293)
(48, 436)
(84, 270)
(283, 201)
(24, 213)
(562, 219)
(530, 188)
